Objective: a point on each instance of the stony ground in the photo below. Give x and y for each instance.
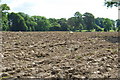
(59, 55)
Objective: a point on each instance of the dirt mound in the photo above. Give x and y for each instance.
(60, 55)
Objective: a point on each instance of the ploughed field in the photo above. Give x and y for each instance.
(59, 55)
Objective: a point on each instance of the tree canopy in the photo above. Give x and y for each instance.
(112, 3)
(16, 22)
(78, 22)
(4, 12)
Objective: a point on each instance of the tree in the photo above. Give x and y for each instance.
(16, 22)
(100, 22)
(113, 25)
(98, 28)
(29, 21)
(4, 7)
(4, 13)
(76, 22)
(78, 14)
(118, 24)
(55, 24)
(107, 24)
(56, 27)
(112, 3)
(43, 24)
(79, 20)
(63, 24)
(89, 21)
(72, 24)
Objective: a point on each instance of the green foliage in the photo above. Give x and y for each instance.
(107, 24)
(4, 7)
(89, 21)
(4, 13)
(55, 28)
(63, 23)
(28, 21)
(100, 22)
(118, 24)
(76, 22)
(98, 28)
(4, 22)
(111, 31)
(43, 24)
(79, 22)
(16, 22)
(78, 14)
(71, 24)
(84, 30)
(111, 4)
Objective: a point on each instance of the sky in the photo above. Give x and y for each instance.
(62, 8)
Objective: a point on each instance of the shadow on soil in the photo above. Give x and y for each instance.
(112, 39)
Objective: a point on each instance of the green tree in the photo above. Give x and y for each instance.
(16, 22)
(79, 20)
(97, 28)
(77, 14)
(43, 23)
(72, 24)
(111, 3)
(107, 24)
(4, 7)
(89, 21)
(55, 24)
(63, 24)
(29, 21)
(76, 23)
(4, 13)
(118, 24)
(113, 25)
(100, 22)
(56, 27)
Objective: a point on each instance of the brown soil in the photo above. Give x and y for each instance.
(60, 54)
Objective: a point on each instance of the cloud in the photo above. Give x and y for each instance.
(62, 8)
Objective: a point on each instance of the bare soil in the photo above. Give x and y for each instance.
(59, 55)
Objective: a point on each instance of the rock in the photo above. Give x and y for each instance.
(108, 65)
(1, 56)
(102, 59)
(4, 74)
(109, 69)
(18, 70)
(12, 72)
(6, 69)
(90, 59)
(96, 72)
(65, 67)
(53, 72)
(40, 62)
(71, 70)
(27, 74)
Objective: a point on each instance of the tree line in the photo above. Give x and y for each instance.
(79, 22)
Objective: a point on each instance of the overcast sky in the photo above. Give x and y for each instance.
(62, 8)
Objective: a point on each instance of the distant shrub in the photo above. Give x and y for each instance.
(111, 31)
(84, 30)
(98, 28)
